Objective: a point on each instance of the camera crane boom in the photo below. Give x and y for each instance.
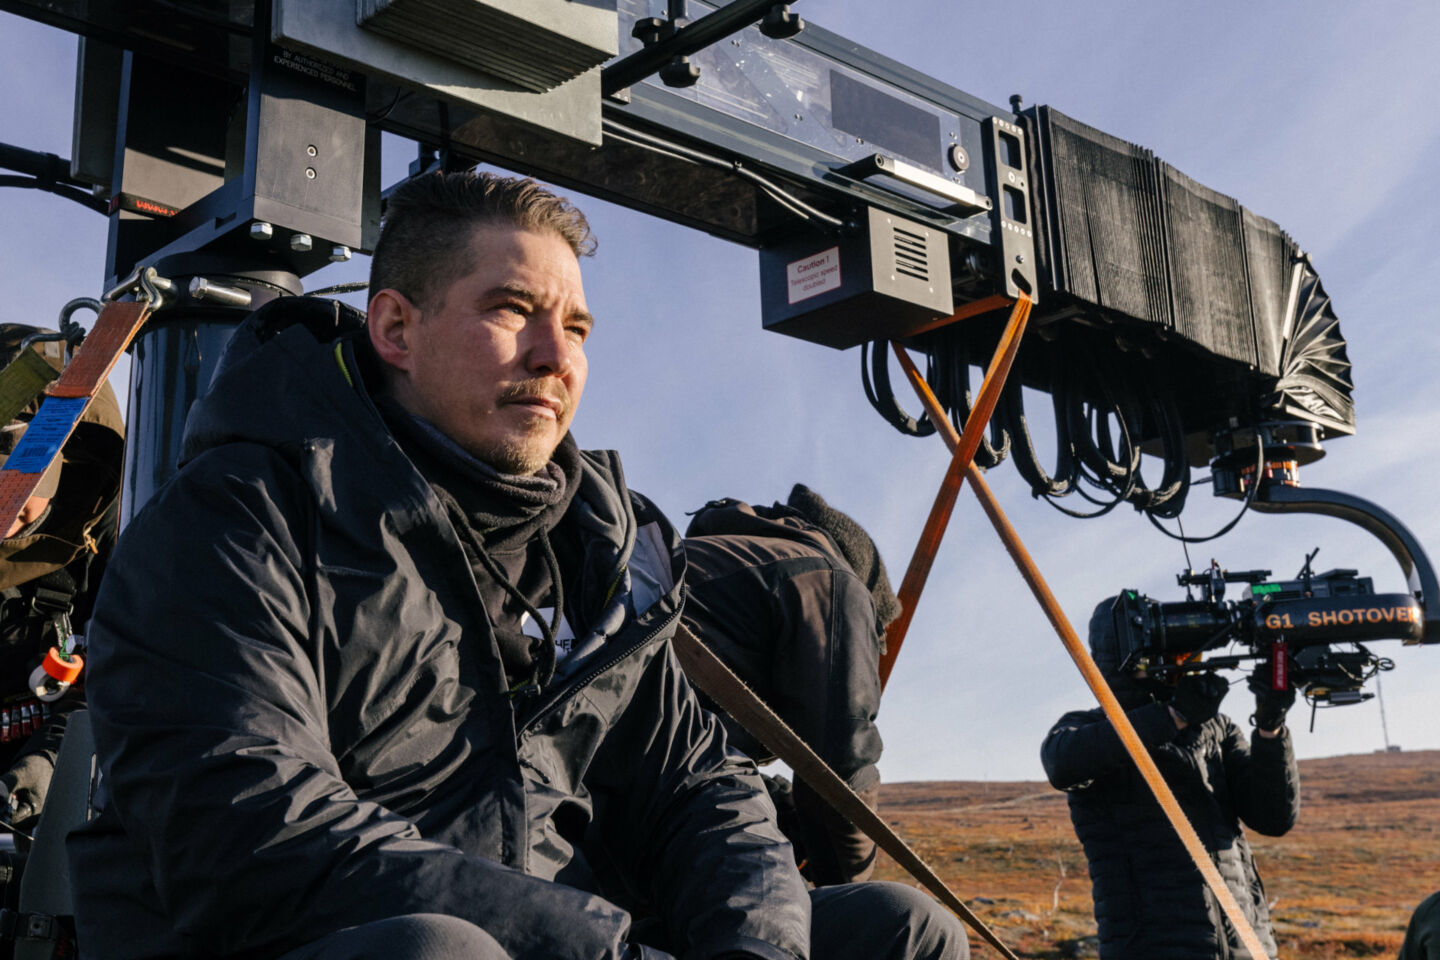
(242, 151)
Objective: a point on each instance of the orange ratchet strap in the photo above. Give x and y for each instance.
(1089, 670)
(67, 399)
(961, 464)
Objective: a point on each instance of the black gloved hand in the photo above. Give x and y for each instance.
(1198, 695)
(1270, 704)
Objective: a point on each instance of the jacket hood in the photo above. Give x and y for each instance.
(809, 520)
(279, 352)
(730, 517)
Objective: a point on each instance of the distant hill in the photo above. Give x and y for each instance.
(1342, 883)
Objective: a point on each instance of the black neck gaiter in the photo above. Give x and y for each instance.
(504, 523)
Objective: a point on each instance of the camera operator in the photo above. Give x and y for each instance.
(1150, 900)
(50, 563)
(1422, 937)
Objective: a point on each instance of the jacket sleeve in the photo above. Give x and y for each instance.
(1263, 778)
(1083, 746)
(826, 670)
(700, 843)
(211, 718)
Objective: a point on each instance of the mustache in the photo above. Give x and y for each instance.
(536, 388)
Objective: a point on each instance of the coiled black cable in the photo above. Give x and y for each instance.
(952, 388)
(1060, 481)
(1167, 499)
(1099, 414)
(875, 375)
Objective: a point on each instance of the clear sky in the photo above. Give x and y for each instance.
(1318, 115)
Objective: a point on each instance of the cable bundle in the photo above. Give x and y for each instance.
(1100, 420)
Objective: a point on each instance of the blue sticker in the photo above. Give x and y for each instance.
(46, 434)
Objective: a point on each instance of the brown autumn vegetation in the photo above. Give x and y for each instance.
(1341, 884)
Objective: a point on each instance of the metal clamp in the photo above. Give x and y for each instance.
(146, 283)
(665, 39)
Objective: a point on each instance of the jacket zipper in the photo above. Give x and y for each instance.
(590, 677)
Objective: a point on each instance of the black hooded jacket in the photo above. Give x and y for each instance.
(303, 721)
(1150, 900)
(771, 594)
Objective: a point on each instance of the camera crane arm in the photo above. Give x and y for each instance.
(1383, 525)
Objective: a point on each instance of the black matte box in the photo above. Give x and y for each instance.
(881, 282)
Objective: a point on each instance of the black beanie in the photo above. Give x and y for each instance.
(855, 545)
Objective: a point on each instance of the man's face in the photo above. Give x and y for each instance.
(497, 360)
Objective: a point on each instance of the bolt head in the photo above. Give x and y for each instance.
(260, 230)
(301, 242)
(339, 253)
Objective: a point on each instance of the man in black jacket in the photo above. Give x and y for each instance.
(1150, 900)
(385, 670)
(795, 599)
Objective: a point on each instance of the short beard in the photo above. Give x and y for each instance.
(519, 456)
(516, 456)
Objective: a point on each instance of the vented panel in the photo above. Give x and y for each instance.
(912, 258)
(1108, 240)
(535, 44)
(1270, 255)
(910, 261)
(1207, 267)
(887, 280)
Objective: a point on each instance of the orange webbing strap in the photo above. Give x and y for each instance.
(996, 301)
(718, 682)
(1094, 678)
(114, 329)
(964, 455)
(65, 403)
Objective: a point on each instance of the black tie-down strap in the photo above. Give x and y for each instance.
(35, 935)
(718, 682)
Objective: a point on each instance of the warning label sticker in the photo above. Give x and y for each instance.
(813, 275)
(46, 434)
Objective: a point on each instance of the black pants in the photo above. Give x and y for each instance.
(861, 921)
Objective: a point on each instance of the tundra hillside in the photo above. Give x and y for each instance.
(1341, 884)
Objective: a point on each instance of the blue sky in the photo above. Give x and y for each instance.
(1318, 115)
